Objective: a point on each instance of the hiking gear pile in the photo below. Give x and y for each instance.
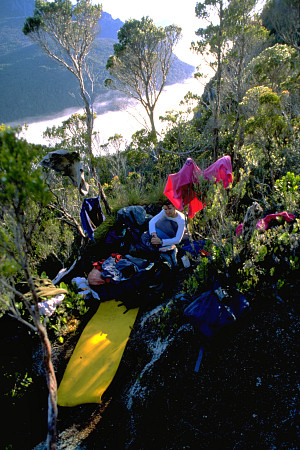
(131, 280)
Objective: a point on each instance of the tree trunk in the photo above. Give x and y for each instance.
(52, 387)
(104, 199)
(151, 117)
(49, 370)
(89, 126)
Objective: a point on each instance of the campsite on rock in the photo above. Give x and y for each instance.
(168, 352)
(149, 289)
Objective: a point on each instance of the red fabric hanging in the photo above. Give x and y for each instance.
(179, 187)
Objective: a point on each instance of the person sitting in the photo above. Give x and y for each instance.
(167, 229)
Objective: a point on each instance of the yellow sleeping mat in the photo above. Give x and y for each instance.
(97, 355)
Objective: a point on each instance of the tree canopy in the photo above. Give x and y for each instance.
(282, 17)
(67, 33)
(141, 61)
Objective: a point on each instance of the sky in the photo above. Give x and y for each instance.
(163, 12)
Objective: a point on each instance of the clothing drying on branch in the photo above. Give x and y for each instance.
(91, 215)
(179, 187)
(67, 164)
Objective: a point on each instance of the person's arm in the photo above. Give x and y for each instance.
(179, 235)
(153, 221)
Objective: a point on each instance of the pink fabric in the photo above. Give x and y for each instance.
(264, 223)
(220, 170)
(239, 229)
(179, 189)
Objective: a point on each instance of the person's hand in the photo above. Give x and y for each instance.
(155, 240)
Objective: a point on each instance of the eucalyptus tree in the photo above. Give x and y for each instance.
(248, 38)
(213, 40)
(283, 18)
(231, 37)
(67, 35)
(115, 154)
(141, 62)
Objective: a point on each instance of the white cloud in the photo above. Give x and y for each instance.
(158, 10)
(163, 12)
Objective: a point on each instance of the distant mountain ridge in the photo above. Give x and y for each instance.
(34, 87)
(16, 8)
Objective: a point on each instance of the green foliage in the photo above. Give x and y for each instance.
(273, 261)
(71, 134)
(167, 319)
(287, 192)
(272, 256)
(53, 238)
(274, 67)
(14, 385)
(226, 28)
(23, 195)
(214, 221)
(137, 33)
(133, 191)
(102, 231)
(281, 17)
(67, 316)
(199, 280)
(210, 35)
(141, 152)
(73, 19)
(270, 267)
(271, 142)
(29, 231)
(182, 132)
(20, 181)
(134, 175)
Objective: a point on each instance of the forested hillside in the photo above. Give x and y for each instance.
(211, 355)
(33, 86)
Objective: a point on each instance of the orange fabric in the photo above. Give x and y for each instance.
(95, 278)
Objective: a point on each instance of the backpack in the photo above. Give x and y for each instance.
(215, 309)
(131, 223)
(134, 219)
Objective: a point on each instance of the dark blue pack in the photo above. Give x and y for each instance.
(214, 309)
